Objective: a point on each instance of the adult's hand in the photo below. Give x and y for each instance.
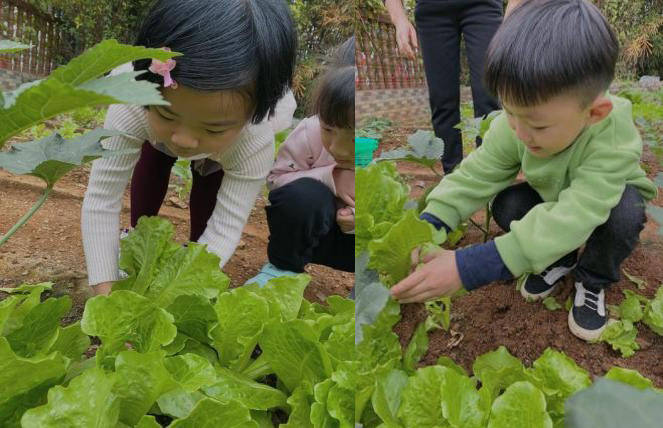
(406, 35)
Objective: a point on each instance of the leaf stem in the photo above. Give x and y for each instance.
(27, 215)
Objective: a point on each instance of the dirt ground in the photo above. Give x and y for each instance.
(49, 246)
(498, 315)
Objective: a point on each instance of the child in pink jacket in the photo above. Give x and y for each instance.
(312, 187)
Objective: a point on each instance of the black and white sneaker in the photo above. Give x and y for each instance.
(537, 287)
(587, 317)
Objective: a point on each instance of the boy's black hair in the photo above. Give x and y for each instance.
(245, 45)
(334, 99)
(547, 47)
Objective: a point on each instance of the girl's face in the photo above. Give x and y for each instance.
(198, 122)
(340, 143)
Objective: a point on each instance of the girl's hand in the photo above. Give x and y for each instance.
(437, 277)
(103, 288)
(345, 219)
(344, 181)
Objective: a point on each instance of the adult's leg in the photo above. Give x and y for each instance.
(479, 22)
(202, 200)
(149, 182)
(438, 29)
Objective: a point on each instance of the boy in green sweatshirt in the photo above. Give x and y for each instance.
(551, 63)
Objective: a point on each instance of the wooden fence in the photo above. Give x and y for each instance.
(379, 63)
(22, 22)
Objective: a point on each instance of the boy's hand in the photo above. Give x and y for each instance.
(103, 288)
(437, 277)
(344, 181)
(345, 219)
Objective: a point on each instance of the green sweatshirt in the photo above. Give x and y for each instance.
(579, 187)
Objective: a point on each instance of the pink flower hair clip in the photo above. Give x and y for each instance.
(163, 69)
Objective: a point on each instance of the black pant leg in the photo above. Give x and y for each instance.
(612, 242)
(479, 22)
(303, 229)
(438, 30)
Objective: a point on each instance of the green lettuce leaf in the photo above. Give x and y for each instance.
(24, 382)
(416, 349)
(390, 255)
(211, 413)
(40, 327)
(125, 316)
(628, 376)
(232, 386)
(496, 370)
(295, 354)
(521, 405)
(421, 404)
(653, 316)
(621, 336)
(88, 401)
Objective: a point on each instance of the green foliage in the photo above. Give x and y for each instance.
(423, 148)
(205, 379)
(373, 127)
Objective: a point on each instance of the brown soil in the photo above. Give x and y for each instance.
(49, 247)
(497, 314)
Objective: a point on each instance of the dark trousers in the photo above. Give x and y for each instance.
(149, 184)
(303, 228)
(440, 24)
(607, 246)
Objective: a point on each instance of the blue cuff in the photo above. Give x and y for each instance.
(439, 224)
(480, 264)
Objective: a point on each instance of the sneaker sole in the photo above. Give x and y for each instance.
(583, 333)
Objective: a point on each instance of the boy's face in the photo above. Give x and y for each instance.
(340, 143)
(550, 127)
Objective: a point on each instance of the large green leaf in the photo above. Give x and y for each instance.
(24, 382)
(72, 86)
(191, 371)
(70, 341)
(559, 377)
(653, 316)
(194, 316)
(461, 403)
(521, 405)
(142, 378)
(52, 157)
(13, 314)
(300, 409)
(284, 295)
(236, 334)
(421, 404)
(295, 354)
(39, 327)
(162, 270)
(233, 386)
(390, 255)
(628, 376)
(386, 398)
(88, 401)
(613, 404)
(125, 316)
(497, 370)
(211, 413)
